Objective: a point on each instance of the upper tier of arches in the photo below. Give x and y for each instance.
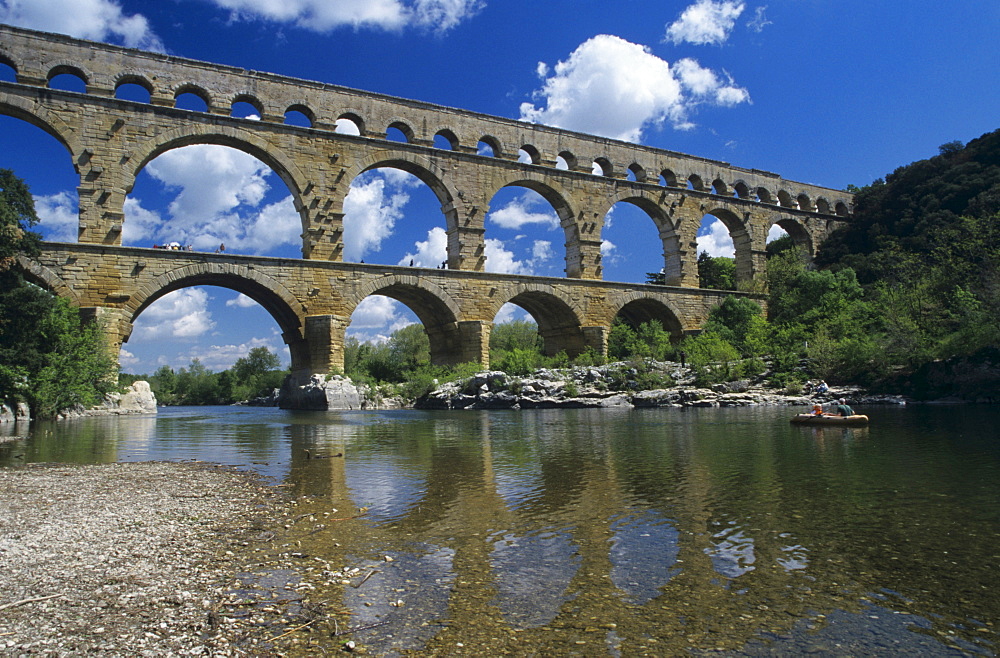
(37, 58)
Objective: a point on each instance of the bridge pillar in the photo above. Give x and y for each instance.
(596, 338)
(460, 342)
(115, 326)
(322, 348)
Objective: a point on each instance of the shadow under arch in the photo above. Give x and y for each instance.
(635, 309)
(557, 317)
(279, 303)
(237, 138)
(432, 305)
(799, 234)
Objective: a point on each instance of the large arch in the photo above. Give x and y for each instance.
(636, 308)
(432, 305)
(556, 197)
(45, 278)
(740, 233)
(27, 111)
(800, 235)
(274, 297)
(651, 204)
(558, 317)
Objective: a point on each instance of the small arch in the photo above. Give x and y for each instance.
(668, 178)
(695, 183)
(244, 106)
(764, 195)
(66, 77)
(193, 98)
(528, 154)
(822, 206)
(602, 167)
(488, 146)
(741, 190)
(134, 87)
(8, 69)
(446, 139)
(637, 173)
(568, 159)
(350, 123)
(399, 131)
(785, 200)
(804, 202)
(45, 278)
(842, 209)
(719, 187)
(299, 115)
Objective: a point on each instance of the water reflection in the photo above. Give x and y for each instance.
(646, 531)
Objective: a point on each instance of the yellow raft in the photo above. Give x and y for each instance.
(810, 419)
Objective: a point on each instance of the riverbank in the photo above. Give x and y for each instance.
(155, 559)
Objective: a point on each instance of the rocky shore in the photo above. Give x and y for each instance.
(148, 559)
(655, 384)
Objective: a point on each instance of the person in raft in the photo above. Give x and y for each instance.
(817, 410)
(843, 409)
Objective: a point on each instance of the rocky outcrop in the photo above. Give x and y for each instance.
(19, 413)
(618, 385)
(138, 398)
(320, 394)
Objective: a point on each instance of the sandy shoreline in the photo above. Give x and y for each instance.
(140, 559)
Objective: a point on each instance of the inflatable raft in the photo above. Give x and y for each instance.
(810, 419)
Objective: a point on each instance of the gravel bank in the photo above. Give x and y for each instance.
(131, 559)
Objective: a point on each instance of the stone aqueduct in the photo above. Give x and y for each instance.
(110, 140)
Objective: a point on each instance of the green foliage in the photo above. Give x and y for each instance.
(740, 322)
(648, 340)
(716, 272)
(519, 334)
(52, 359)
(254, 375)
(519, 362)
(712, 358)
(17, 216)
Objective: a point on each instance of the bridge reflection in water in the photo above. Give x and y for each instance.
(643, 532)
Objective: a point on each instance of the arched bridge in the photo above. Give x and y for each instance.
(464, 157)
(312, 300)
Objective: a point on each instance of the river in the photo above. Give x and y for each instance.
(620, 532)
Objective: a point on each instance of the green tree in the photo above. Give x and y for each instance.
(716, 272)
(17, 216)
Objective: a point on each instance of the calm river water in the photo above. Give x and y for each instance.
(614, 532)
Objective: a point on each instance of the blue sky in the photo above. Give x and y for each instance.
(831, 93)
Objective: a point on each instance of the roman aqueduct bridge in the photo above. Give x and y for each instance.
(463, 157)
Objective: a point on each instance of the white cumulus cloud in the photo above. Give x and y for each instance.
(715, 240)
(705, 22)
(219, 196)
(97, 20)
(179, 314)
(59, 215)
(611, 87)
(431, 252)
(241, 301)
(325, 15)
(524, 209)
(371, 209)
